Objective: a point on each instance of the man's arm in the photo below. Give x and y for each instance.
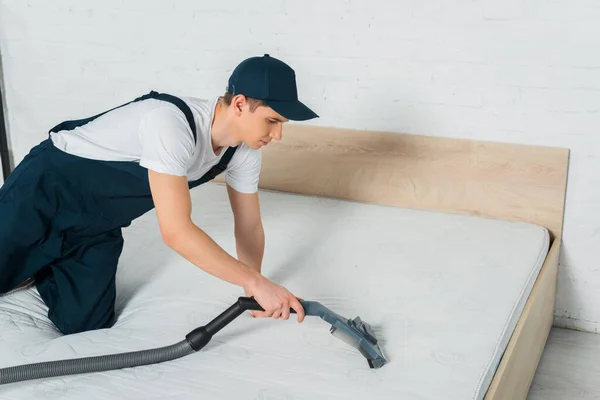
(173, 207)
(249, 232)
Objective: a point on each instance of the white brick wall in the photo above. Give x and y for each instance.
(518, 70)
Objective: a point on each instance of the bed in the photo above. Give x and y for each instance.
(448, 248)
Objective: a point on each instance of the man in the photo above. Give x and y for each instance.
(62, 209)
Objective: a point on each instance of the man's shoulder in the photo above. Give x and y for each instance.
(202, 108)
(201, 105)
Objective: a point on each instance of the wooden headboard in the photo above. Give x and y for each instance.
(498, 180)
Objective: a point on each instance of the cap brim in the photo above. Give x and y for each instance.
(292, 110)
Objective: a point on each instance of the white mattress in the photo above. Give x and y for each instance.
(443, 293)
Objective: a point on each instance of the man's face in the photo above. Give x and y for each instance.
(259, 127)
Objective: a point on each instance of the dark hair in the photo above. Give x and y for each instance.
(254, 103)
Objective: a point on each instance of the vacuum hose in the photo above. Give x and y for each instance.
(94, 364)
(194, 341)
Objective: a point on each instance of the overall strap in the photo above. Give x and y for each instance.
(72, 124)
(185, 109)
(217, 169)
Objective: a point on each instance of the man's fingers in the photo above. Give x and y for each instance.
(299, 309)
(285, 313)
(261, 314)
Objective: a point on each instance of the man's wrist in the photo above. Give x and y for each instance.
(255, 268)
(251, 278)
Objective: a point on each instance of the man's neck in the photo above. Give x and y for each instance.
(220, 132)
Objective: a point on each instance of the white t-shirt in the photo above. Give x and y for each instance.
(156, 134)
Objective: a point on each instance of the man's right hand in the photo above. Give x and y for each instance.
(274, 299)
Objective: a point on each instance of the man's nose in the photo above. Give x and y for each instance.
(277, 132)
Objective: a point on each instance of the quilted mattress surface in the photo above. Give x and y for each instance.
(443, 293)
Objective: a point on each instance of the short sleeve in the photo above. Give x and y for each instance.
(243, 177)
(167, 142)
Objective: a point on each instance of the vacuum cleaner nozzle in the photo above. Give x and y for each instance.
(354, 332)
(359, 334)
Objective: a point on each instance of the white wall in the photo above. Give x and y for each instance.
(523, 71)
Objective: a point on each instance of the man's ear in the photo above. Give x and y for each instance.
(238, 102)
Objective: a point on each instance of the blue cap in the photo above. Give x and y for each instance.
(272, 81)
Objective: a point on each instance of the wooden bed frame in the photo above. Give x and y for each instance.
(496, 180)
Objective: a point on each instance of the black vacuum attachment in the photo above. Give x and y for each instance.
(354, 332)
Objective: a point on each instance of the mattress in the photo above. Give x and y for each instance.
(443, 293)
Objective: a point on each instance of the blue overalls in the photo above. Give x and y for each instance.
(61, 217)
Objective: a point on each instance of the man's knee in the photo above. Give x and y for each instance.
(71, 313)
(76, 323)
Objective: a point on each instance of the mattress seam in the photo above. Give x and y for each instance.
(542, 253)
